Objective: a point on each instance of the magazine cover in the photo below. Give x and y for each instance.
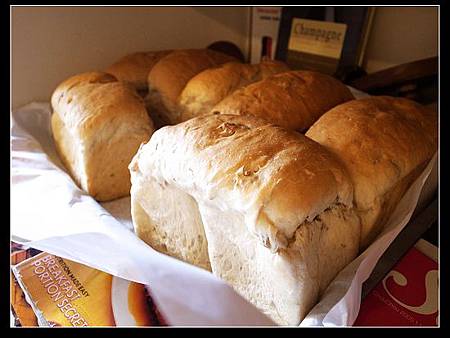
(65, 293)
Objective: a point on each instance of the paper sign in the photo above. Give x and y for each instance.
(317, 37)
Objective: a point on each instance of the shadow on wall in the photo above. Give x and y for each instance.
(228, 17)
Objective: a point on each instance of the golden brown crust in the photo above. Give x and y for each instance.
(134, 68)
(249, 184)
(211, 86)
(294, 100)
(381, 140)
(168, 77)
(98, 124)
(287, 177)
(71, 82)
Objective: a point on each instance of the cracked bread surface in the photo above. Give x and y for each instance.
(293, 100)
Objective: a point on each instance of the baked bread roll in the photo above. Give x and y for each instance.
(294, 100)
(211, 86)
(134, 69)
(268, 209)
(168, 77)
(98, 124)
(385, 143)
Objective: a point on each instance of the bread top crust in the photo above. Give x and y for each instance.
(380, 140)
(276, 178)
(294, 100)
(169, 76)
(134, 68)
(85, 101)
(211, 86)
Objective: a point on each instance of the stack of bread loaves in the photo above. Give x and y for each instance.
(268, 209)
(275, 213)
(100, 118)
(211, 86)
(168, 77)
(234, 187)
(291, 99)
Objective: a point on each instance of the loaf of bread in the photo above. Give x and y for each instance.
(170, 75)
(294, 100)
(134, 69)
(98, 124)
(385, 143)
(211, 86)
(267, 209)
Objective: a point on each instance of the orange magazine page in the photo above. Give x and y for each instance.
(65, 293)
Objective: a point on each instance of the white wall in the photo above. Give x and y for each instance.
(51, 43)
(400, 35)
